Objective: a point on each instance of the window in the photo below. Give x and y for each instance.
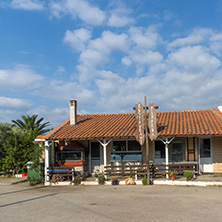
(95, 149)
(126, 150)
(68, 155)
(205, 149)
(133, 145)
(119, 146)
(159, 150)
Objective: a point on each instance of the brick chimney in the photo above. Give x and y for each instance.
(73, 112)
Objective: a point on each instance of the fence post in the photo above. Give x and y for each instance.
(194, 176)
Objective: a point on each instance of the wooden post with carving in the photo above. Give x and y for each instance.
(147, 145)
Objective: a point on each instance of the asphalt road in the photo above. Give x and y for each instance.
(21, 202)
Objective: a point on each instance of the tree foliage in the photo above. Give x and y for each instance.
(18, 150)
(16, 144)
(32, 125)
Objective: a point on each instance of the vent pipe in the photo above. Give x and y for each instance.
(73, 112)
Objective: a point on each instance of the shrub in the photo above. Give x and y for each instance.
(77, 180)
(188, 175)
(33, 181)
(101, 179)
(144, 181)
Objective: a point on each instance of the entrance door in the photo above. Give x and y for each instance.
(177, 151)
(206, 161)
(95, 157)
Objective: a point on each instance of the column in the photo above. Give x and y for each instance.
(167, 158)
(46, 159)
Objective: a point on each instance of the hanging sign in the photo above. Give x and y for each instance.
(140, 135)
(152, 122)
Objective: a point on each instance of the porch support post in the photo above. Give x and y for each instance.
(46, 159)
(104, 144)
(167, 154)
(167, 157)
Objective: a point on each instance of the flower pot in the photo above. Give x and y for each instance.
(173, 177)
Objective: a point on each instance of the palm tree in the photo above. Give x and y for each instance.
(32, 125)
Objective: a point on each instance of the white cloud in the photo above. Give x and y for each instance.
(126, 61)
(77, 38)
(21, 78)
(13, 108)
(78, 8)
(60, 70)
(145, 38)
(97, 52)
(27, 4)
(54, 116)
(67, 90)
(197, 36)
(194, 59)
(14, 103)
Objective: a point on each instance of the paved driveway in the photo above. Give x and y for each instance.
(109, 203)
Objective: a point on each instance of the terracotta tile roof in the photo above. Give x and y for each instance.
(123, 125)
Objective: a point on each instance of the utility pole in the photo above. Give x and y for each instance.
(147, 145)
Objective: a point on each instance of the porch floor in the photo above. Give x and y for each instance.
(201, 177)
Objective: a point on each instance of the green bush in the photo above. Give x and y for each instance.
(77, 180)
(34, 181)
(188, 175)
(101, 179)
(144, 181)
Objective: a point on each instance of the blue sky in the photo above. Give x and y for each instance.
(107, 55)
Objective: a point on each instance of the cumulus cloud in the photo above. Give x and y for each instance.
(97, 53)
(77, 38)
(13, 108)
(197, 36)
(145, 38)
(78, 9)
(21, 78)
(120, 17)
(27, 4)
(194, 59)
(14, 103)
(62, 90)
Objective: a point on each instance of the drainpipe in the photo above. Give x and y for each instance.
(104, 144)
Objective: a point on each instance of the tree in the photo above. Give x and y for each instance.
(32, 125)
(19, 149)
(6, 130)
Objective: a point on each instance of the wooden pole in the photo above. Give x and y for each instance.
(147, 145)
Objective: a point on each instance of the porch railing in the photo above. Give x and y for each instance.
(155, 170)
(58, 174)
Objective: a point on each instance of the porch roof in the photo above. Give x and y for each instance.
(123, 125)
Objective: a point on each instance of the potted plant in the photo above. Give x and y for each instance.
(189, 175)
(172, 174)
(115, 181)
(101, 179)
(144, 181)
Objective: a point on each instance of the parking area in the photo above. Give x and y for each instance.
(21, 202)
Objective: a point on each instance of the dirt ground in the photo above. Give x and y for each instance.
(21, 202)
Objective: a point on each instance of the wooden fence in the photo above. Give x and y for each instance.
(141, 170)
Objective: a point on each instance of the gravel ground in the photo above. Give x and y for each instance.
(21, 202)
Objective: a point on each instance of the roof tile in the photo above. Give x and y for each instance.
(170, 123)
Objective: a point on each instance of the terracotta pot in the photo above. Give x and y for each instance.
(173, 177)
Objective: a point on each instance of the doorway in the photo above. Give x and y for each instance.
(176, 151)
(95, 157)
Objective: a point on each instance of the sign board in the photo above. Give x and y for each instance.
(140, 135)
(152, 122)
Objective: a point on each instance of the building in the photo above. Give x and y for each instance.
(94, 140)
